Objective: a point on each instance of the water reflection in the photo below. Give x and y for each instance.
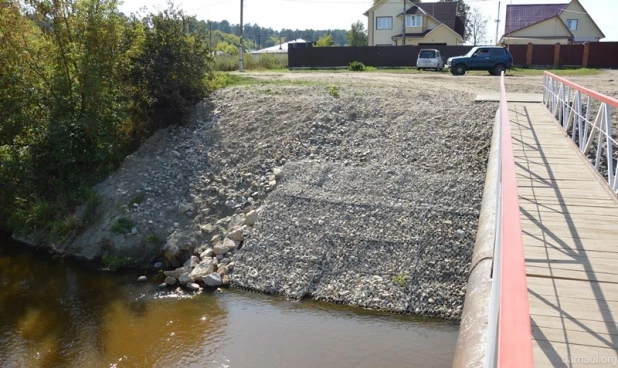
(55, 313)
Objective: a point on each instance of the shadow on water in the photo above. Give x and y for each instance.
(60, 313)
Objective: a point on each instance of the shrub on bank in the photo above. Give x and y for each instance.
(81, 86)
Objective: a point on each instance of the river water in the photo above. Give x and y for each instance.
(59, 313)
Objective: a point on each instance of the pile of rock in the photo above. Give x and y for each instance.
(214, 263)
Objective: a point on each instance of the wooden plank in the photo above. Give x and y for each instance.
(555, 354)
(570, 244)
(593, 207)
(571, 324)
(570, 233)
(560, 335)
(575, 309)
(579, 275)
(558, 222)
(565, 289)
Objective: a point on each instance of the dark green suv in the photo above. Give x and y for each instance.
(494, 59)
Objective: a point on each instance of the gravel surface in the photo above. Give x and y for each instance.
(369, 198)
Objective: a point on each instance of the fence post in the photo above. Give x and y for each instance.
(586, 54)
(556, 54)
(529, 54)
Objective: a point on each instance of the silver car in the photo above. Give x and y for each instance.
(429, 59)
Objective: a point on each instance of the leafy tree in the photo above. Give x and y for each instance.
(325, 41)
(227, 48)
(476, 26)
(357, 36)
(81, 86)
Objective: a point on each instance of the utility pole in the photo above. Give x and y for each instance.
(403, 26)
(242, 47)
(497, 23)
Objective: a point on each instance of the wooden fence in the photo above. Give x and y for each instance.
(587, 55)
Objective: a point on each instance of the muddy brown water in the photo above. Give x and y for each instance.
(59, 313)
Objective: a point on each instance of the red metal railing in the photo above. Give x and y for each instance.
(509, 335)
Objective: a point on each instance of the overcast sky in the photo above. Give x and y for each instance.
(332, 14)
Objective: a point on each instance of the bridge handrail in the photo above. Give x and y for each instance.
(509, 338)
(564, 99)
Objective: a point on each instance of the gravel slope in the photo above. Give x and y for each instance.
(376, 206)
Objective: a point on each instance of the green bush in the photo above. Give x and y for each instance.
(78, 96)
(123, 226)
(113, 263)
(333, 91)
(356, 66)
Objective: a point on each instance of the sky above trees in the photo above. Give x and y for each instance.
(338, 14)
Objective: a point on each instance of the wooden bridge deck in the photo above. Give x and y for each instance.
(569, 220)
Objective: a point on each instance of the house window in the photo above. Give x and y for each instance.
(414, 21)
(384, 22)
(572, 24)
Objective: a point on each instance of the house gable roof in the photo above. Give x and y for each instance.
(443, 12)
(379, 4)
(558, 21)
(588, 14)
(523, 16)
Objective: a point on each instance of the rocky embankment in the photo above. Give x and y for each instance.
(369, 198)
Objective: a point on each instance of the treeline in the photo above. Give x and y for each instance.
(82, 86)
(257, 37)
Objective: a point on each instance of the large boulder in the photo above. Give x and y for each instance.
(193, 286)
(172, 253)
(184, 278)
(170, 281)
(230, 244)
(176, 273)
(222, 270)
(237, 221)
(220, 249)
(204, 268)
(208, 253)
(212, 280)
(192, 262)
(235, 234)
(251, 218)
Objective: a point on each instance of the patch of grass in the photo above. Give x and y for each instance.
(113, 263)
(333, 91)
(400, 280)
(228, 63)
(525, 72)
(154, 239)
(138, 199)
(221, 80)
(123, 225)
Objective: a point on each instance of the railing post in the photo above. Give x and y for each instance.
(556, 54)
(529, 51)
(586, 54)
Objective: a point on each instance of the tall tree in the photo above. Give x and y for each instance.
(476, 26)
(357, 35)
(325, 41)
